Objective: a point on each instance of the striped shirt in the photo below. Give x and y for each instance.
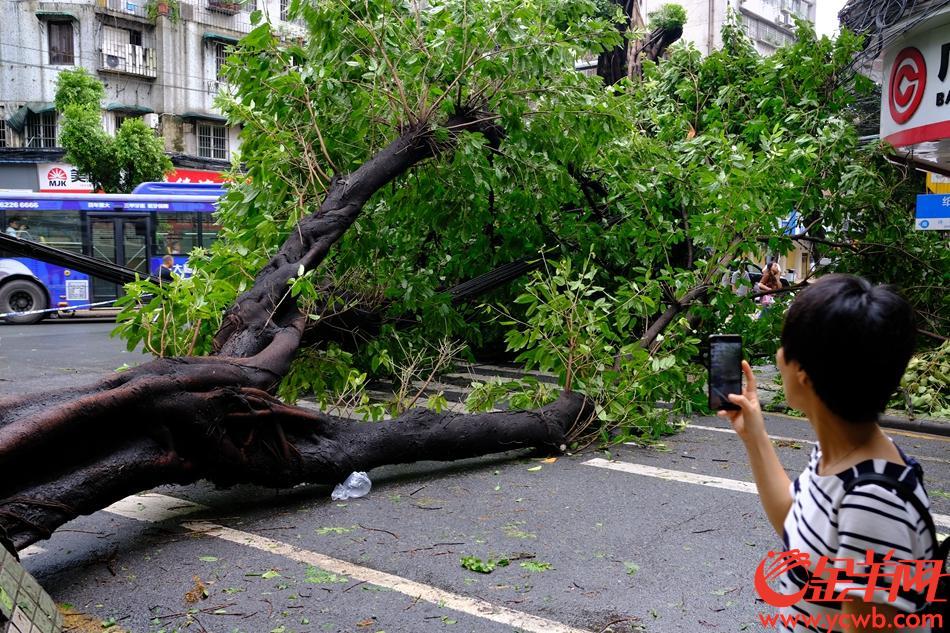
(823, 521)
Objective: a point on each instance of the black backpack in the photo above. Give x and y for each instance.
(941, 610)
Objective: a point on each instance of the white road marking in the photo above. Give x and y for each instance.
(720, 429)
(153, 507)
(942, 520)
(673, 475)
(433, 595)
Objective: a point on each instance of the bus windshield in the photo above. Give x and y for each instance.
(161, 221)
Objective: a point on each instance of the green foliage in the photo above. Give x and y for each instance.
(172, 9)
(536, 566)
(140, 154)
(88, 146)
(173, 319)
(472, 563)
(573, 327)
(668, 17)
(642, 193)
(923, 390)
(879, 242)
(77, 87)
(116, 164)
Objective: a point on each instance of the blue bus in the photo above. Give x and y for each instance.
(133, 230)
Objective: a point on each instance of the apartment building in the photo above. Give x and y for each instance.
(769, 23)
(159, 59)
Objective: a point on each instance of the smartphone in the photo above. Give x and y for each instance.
(725, 370)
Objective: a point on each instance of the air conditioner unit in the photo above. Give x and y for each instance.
(112, 62)
(151, 120)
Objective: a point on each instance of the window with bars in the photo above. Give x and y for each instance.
(284, 9)
(41, 130)
(220, 55)
(765, 32)
(121, 118)
(61, 51)
(212, 141)
(3, 130)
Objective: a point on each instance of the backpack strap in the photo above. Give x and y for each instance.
(903, 491)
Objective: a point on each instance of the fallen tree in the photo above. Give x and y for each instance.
(462, 140)
(73, 452)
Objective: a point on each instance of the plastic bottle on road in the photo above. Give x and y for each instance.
(356, 485)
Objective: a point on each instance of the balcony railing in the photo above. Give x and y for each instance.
(232, 16)
(229, 7)
(128, 59)
(133, 7)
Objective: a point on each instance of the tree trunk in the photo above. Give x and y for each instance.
(625, 61)
(72, 452)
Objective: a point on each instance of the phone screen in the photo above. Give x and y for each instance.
(725, 370)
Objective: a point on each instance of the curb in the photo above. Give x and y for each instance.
(931, 427)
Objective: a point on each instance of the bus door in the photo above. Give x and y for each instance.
(122, 238)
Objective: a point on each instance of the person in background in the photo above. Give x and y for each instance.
(24, 232)
(845, 346)
(13, 227)
(770, 281)
(165, 271)
(741, 282)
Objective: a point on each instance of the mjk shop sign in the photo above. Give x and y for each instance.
(915, 100)
(61, 178)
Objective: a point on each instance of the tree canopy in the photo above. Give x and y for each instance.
(115, 164)
(637, 196)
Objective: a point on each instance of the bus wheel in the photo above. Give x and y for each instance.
(21, 295)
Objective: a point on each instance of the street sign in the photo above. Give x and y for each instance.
(933, 213)
(937, 183)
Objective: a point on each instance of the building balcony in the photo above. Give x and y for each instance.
(129, 59)
(230, 16)
(123, 7)
(228, 7)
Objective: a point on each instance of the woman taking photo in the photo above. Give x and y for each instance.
(845, 346)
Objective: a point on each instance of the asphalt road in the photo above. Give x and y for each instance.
(669, 544)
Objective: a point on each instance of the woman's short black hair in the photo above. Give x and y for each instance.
(854, 340)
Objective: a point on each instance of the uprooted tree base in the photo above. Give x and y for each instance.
(176, 421)
(67, 453)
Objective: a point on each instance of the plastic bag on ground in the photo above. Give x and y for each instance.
(356, 485)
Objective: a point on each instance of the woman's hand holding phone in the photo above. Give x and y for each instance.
(747, 422)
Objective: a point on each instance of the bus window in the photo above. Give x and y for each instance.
(209, 230)
(59, 229)
(135, 239)
(177, 233)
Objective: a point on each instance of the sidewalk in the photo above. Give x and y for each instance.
(456, 385)
(773, 399)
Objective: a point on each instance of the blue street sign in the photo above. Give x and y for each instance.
(933, 212)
